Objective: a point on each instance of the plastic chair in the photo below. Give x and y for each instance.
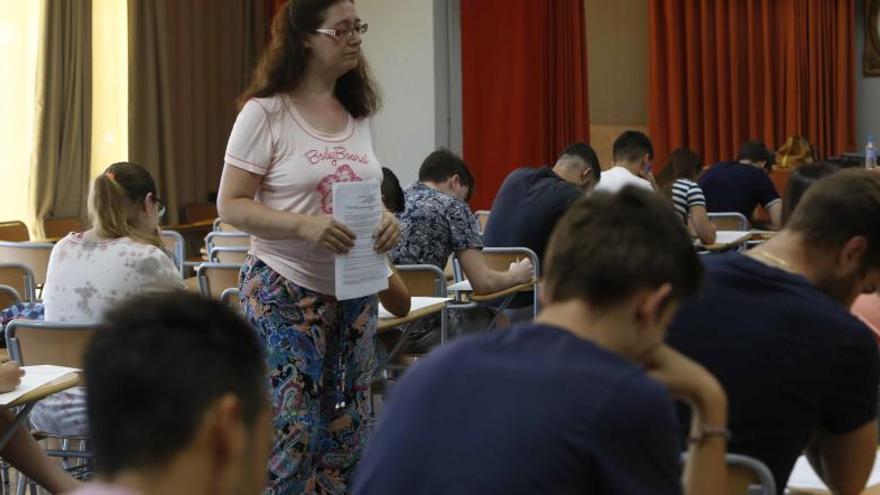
(34, 255)
(500, 258)
(747, 476)
(227, 239)
(20, 278)
(230, 298)
(423, 280)
(15, 231)
(55, 228)
(220, 254)
(174, 243)
(220, 226)
(41, 342)
(214, 278)
(482, 219)
(729, 221)
(8, 296)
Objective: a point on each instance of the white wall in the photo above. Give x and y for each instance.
(867, 88)
(400, 48)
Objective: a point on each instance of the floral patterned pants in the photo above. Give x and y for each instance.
(320, 353)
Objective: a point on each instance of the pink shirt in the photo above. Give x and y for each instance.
(299, 165)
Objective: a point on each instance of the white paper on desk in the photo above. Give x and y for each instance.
(464, 285)
(730, 236)
(35, 377)
(415, 304)
(362, 271)
(803, 476)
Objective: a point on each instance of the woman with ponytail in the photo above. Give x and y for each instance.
(91, 271)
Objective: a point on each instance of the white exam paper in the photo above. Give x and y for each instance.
(416, 303)
(362, 271)
(34, 378)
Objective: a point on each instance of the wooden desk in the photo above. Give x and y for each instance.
(481, 298)
(737, 238)
(29, 399)
(386, 324)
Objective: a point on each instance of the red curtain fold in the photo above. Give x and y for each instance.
(724, 71)
(524, 86)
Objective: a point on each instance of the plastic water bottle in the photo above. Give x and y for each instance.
(870, 154)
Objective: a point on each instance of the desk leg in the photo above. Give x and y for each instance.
(504, 303)
(19, 419)
(444, 320)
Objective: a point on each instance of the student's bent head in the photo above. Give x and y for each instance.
(580, 164)
(123, 203)
(633, 147)
(838, 219)
(613, 250)
(173, 377)
(443, 167)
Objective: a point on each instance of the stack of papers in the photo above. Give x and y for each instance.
(416, 303)
(730, 236)
(34, 378)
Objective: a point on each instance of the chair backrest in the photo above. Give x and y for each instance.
(197, 212)
(729, 221)
(482, 219)
(220, 226)
(15, 231)
(214, 278)
(423, 280)
(500, 258)
(174, 243)
(42, 342)
(748, 476)
(227, 239)
(230, 298)
(34, 255)
(8, 296)
(20, 278)
(228, 254)
(54, 228)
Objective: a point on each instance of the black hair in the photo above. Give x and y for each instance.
(155, 366)
(442, 164)
(631, 146)
(392, 194)
(800, 180)
(608, 246)
(756, 152)
(586, 153)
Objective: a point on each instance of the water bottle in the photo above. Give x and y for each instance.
(870, 154)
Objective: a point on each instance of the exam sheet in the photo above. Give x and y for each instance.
(362, 271)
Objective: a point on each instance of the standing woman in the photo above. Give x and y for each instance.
(303, 126)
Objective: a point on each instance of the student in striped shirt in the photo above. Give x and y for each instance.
(687, 196)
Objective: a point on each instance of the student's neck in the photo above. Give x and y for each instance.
(633, 167)
(565, 173)
(440, 187)
(605, 329)
(181, 476)
(316, 86)
(787, 251)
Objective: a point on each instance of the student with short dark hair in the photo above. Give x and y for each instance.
(580, 401)
(773, 325)
(741, 185)
(178, 400)
(800, 180)
(531, 201)
(436, 223)
(632, 154)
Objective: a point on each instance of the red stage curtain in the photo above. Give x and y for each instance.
(524, 85)
(724, 71)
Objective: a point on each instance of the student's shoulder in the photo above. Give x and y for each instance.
(268, 106)
(639, 402)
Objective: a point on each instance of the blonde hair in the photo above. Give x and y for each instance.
(116, 199)
(795, 152)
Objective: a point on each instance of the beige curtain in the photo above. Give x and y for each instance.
(188, 61)
(62, 138)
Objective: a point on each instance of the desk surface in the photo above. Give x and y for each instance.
(526, 287)
(67, 381)
(389, 323)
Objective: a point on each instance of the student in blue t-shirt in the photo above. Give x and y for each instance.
(773, 325)
(742, 185)
(580, 401)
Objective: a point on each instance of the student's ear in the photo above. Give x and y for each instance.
(652, 307)
(851, 254)
(224, 426)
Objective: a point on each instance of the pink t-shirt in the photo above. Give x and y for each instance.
(299, 165)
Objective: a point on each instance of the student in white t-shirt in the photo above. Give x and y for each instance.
(631, 166)
(89, 272)
(304, 126)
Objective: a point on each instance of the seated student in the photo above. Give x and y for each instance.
(580, 401)
(121, 255)
(686, 195)
(742, 185)
(22, 452)
(632, 154)
(796, 151)
(178, 401)
(438, 222)
(396, 298)
(531, 201)
(773, 325)
(800, 180)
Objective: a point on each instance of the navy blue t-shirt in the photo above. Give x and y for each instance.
(526, 209)
(790, 359)
(734, 186)
(532, 410)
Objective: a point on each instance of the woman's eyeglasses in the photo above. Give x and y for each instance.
(160, 207)
(345, 33)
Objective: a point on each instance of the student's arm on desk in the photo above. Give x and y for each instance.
(702, 226)
(485, 280)
(10, 376)
(844, 461)
(775, 211)
(396, 297)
